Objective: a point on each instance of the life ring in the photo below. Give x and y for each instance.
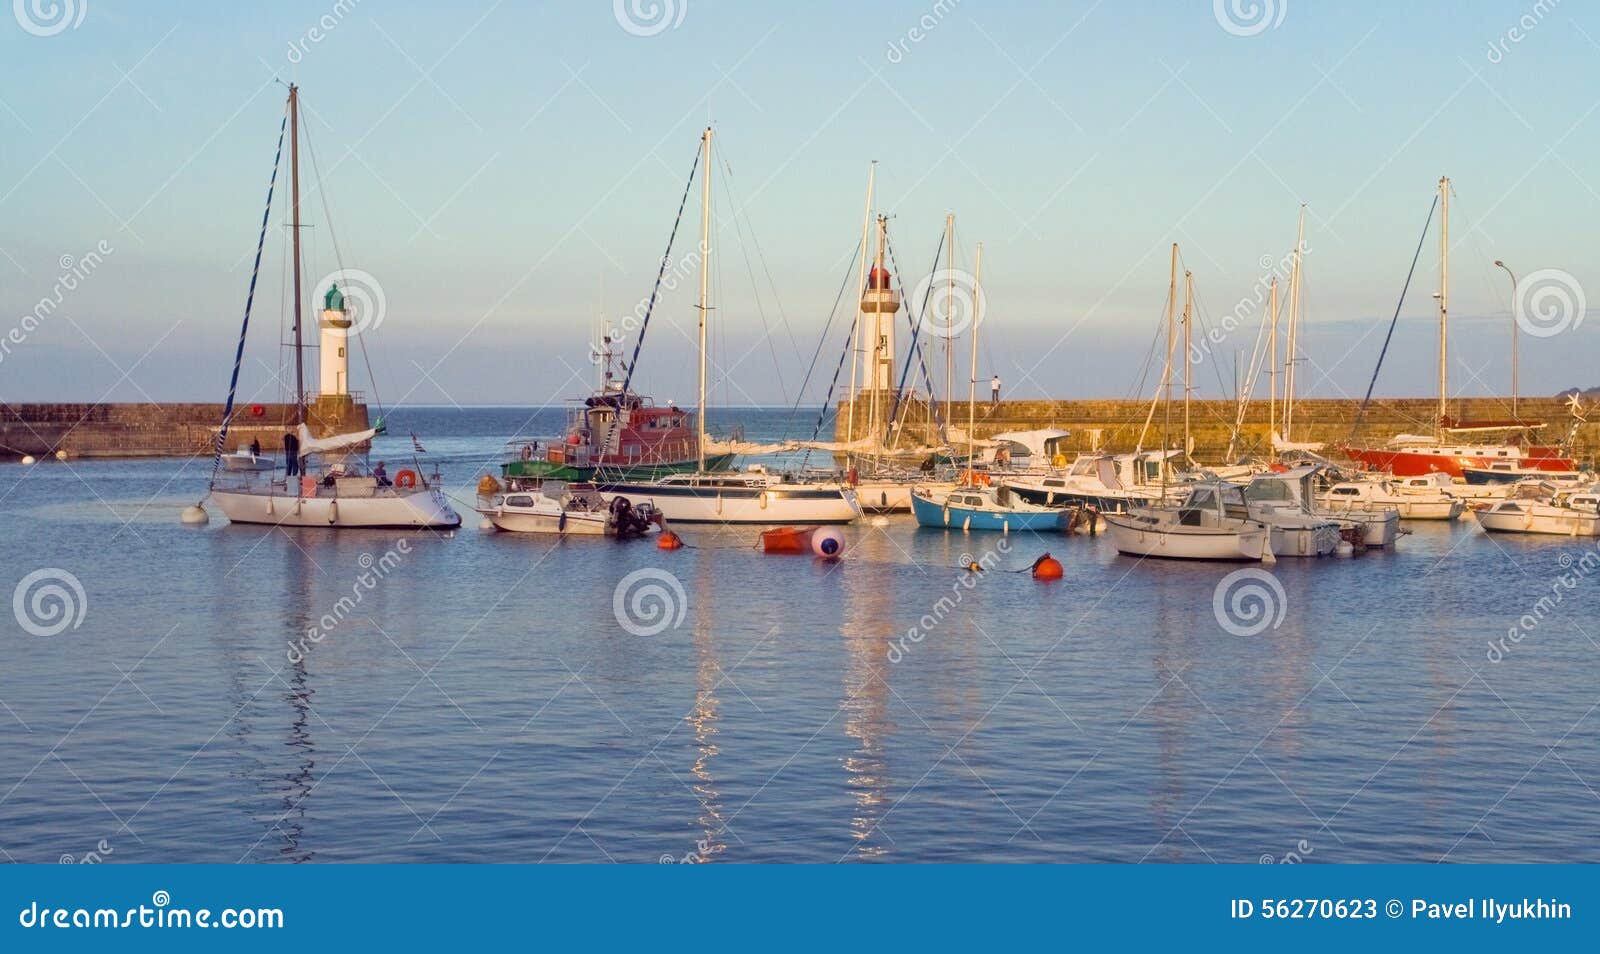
(406, 479)
(527, 452)
(256, 410)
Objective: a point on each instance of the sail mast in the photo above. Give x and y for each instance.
(294, 223)
(1272, 368)
(949, 303)
(1166, 417)
(972, 381)
(1188, 315)
(1444, 294)
(1293, 356)
(705, 281)
(861, 331)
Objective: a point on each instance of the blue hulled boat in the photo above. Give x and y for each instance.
(983, 508)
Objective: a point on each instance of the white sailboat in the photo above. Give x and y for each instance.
(1213, 521)
(731, 497)
(323, 483)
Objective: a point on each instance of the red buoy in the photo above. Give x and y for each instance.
(669, 541)
(1047, 567)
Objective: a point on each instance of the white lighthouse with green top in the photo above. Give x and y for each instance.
(335, 342)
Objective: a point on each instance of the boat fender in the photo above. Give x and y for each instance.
(966, 524)
(828, 543)
(1047, 567)
(561, 522)
(333, 511)
(406, 479)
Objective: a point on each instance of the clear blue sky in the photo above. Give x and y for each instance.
(510, 170)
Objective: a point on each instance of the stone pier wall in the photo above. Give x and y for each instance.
(159, 430)
(1115, 424)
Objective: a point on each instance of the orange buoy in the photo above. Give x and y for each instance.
(1047, 567)
(794, 540)
(669, 541)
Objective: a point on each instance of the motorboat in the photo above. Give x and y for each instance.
(1212, 522)
(570, 509)
(740, 497)
(1369, 524)
(1544, 509)
(1092, 480)
(1346, 496)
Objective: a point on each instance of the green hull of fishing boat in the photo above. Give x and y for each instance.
(545, 470)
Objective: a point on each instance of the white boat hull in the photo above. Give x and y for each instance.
(1311, 541)
(571, 524)
(1570, 524)
(418, 509)
(1186, 543)
(892, 496)
(781, 504)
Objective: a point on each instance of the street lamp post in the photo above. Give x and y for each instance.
(1514, 336)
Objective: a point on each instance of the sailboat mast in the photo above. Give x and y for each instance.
(1293, 357)
(861, 331)
(1444, 294)
(294, 228)
(972, 381)
(1166, 418)
(705, 283)
(1272, 366)
(1188, 364)
(949, 303)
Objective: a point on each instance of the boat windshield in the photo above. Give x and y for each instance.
(1268, 490)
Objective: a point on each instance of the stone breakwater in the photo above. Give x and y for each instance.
(158, 430)
(1115, 424)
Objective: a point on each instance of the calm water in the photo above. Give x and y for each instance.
(482, 702)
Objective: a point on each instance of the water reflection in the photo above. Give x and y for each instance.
(868, 630)
(704, 718)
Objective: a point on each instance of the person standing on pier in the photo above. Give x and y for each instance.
(291, 454)
(255, 447)
(994, 391)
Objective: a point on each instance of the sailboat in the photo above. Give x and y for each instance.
(1450, 448)
(1213, 521)
(730, 497)
(325, 483)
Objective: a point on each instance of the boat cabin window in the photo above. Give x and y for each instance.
(521, 500)
(1271, 491)
(1347, 491)
(1054, 482)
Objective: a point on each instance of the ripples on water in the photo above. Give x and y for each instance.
(482, 703)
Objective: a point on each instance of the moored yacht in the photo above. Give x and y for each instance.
(1542, 508)
(1212, 523)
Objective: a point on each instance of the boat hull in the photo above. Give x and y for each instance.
(1563, 524)
(886, 496)
(1187, 543)
(1404, 463)
(931, 513)
(525, 521)
(422, 509)
(1311, 541)
(796, 504)
(1062, 497)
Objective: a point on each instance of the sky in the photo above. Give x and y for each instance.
(508, 173)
